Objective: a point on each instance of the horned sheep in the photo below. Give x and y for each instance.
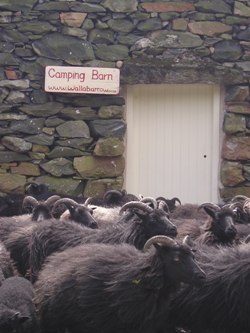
(104, 288)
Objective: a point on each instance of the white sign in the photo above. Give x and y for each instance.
(82, 80)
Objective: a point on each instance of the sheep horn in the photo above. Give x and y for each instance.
(51, 200)
(108, 193)
(29, 201)
(210, 205)
(187, 240)
(177, 199)
(239, 197)
(136, 204)
(88, 201)
(235, 205)
(150, 200)
(66, 201)
(246, 206)
(164, 206)
(247, 239)
(165, 240)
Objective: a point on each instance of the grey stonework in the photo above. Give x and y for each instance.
(49, 137)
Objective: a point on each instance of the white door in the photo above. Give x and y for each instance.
(172, 143)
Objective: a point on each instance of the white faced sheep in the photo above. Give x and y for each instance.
(50, 237)
(113, 288)
(17, 310)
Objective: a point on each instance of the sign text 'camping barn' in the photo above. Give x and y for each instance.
(82, 80)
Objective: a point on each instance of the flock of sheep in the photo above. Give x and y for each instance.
(123, 264)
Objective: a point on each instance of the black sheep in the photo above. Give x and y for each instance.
(135, 228)
(222, 304)
(17, 310)
(112, 288)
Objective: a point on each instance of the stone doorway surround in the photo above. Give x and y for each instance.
(75, 143)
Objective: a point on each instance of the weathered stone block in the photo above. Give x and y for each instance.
(107, 128)
(97, 188)
(109, 147)
(59, 167)
(231, 173)
(12, 183)
(16, 144)
(234, 124)
(237, 93)
(209, 28)
(121, 6)
(8, 156)
(26, 169)
(243, 108)
(99, 167)
(111, 111)
(73, 129)
(73, 19)
(236, 148)
(161, 7)
(63, 186)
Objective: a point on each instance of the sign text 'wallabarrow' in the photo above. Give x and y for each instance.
(82, 80)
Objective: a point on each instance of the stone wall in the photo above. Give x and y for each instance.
(75, 143)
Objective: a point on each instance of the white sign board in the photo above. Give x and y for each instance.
(82, 80)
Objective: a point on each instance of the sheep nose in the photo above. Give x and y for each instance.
(231, 231)
(200, 277)
(173, 231)
(93, 225)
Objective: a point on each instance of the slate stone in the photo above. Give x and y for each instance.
(244, 35)
(118, 6)
(7, 59)
(111, 111)
(213, 6)
(121, 25)
(101, 36)
(79, 113)
(67, 48)
(15, 5)
(16, 144)
(41, 139)
(58, 167)
(15, 84)
(97, 188)
(111, 52)
(80, 143)
(12, 183)
(26, 169)
(227, 50)
(231, 173)
(107, 128)
(109, 147)
(234, 124)
(8, 156)
(37, 28)
(28, 126)
(45, 110)
(99, 167)
(98, 101)
(65, 152)
(174, 39)
(73, 129)
(62, 186)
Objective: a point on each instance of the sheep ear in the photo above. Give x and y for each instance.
(17, 317)
(209, 211)
(22, 319)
